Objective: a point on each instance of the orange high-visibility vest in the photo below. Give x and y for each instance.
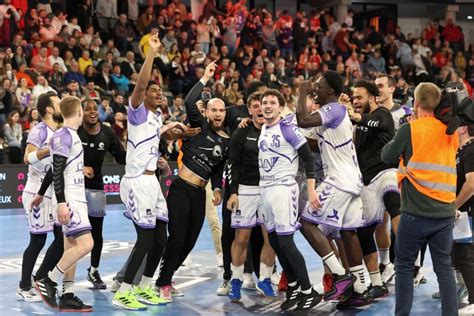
(179, 160)
(432, 168)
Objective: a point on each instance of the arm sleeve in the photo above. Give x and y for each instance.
(48, 179)
(216, 177)
(233, 162)
(394, 149)
(332, 115)
(292, 134)
(59, 164)
(305, 153)
(194, 115)
(375, 120)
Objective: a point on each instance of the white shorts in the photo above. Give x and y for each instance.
(246, 216)
(96, 202)
(41, 219)
(78, 219)
(144, 200)
(330, 232)
(341, 210)
(372, 196)
(279, 208)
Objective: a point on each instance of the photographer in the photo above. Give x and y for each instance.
(6, 12)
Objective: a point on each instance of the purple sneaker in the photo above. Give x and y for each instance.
(356, 300)
(340, 287)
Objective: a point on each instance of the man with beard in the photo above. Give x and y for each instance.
(341, 205)
(375, 128)
(41, 219)
(203, 158)
(96, 139)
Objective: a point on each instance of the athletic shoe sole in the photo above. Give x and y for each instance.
(85, 310)
(145, 301)
(118, 304)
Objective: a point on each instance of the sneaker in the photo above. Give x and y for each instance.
(379, 291)
(220, 260)
(283, 284)
(436, 295)
(356, 300)
(462, 292)
(175, 292)
(265, 288)
(387, 272)
(467, 310)
(248, 282)
(95, 279)
(275, 278)
(115, 285)
(308, 301)
(70, 303)
(341, 284)
(417, 276)
(234, 292)
(149, 296)
(47, 290)
(165, 293)
(292, 297)
(327, 282)
(27, 295)
(127, 300)
(224, 289)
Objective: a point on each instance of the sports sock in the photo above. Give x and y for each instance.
(68, 286)
(265, 271)
(94, 269)
(375, 278)
(125, 287)
(56, 274)
(145, 282)
(237, 271)
(359, 285)
(384, 256)
(330, 260)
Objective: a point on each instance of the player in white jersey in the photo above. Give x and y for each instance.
(68, 178)
(339, 194)
(140, 190)
(41, 217)
(280, 144)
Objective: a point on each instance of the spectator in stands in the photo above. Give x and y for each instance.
(106, 113)
(41, 87)
(145, 19)
(128, 66)
(341, 41)
(120, 80)
(74, 74)
(169, 40)
(376, 62)
(123, 33)
(452, 33)
(13, 134)
(84, 61)
(23, 94)
(90, 91)
(54, 58)
(103, 79)
(106, 13)
(7, 13)
(41, 62)
(5, 100)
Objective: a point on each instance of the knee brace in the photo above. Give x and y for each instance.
(392, 203)
(367, 240)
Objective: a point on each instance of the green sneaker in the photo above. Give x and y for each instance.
(148, 295)
(128, 301)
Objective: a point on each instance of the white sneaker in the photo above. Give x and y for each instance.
(188, 261)
(388, 273)
(224, 289)
(275, 278)
(418, 277)
(467, 310)
(220, 260)
(28, 295)
(115, 286)
(248, 283)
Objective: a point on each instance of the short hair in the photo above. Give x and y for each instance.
(428, 96)
(69, 106)
(334, 81)
(371, 88)
(275, 93)
(87, 101)
(44, 100)
(256, 96)
(253, 87)
(390, 79)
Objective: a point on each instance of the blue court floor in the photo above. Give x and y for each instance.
(199, 281)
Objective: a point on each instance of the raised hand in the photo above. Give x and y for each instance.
(210, 71)
(155, 43)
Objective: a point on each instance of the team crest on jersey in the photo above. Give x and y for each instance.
(217, 151)
(268, 164)
(101, 146)
(263, 145)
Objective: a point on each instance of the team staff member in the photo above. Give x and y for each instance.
(97, 139)
(427, 176)
(203, 158)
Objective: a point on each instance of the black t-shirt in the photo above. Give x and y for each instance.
(372, 133)
(464, 165)
(243, 157)
(234, 115)
(95, 149)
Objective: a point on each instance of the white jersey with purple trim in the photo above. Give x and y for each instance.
(338, 155)
(39, 136)
(143, 140)
(65, 142)
(400, 114)
(278, 155)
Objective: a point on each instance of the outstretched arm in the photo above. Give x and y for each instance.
(145, 73)
(304, 118)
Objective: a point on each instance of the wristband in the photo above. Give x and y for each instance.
(32, 157)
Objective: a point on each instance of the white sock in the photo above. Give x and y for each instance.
(124, 287)
(384, 256)
(330, 260)
(237, 271)
(359, 285)
(292, 284)
(265, 271)
(376, 278)
(308, 291)
(93, 269)
(56, 274)
(68, 286)
(418, 260)
(145, 282)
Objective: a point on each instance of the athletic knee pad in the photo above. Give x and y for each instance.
(392, 203)
(367, 240)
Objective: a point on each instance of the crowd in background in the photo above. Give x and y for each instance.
(96, 52)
